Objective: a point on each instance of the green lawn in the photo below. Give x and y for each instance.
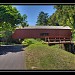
(43, 57)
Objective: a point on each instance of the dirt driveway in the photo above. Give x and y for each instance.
(11, 58)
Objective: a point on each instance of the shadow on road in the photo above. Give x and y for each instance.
(5, 49)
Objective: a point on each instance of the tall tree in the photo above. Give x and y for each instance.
(10, 15)
(42, 19)
(9, 18)
(64, 14)
(24, 21)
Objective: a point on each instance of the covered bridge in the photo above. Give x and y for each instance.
(49, 33)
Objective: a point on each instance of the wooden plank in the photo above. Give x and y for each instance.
(54, 38)
(62, 42)
(48, 39)
(57, 37)
(45, 39)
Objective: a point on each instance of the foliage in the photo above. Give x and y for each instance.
(24, 21)
(43, 57)
(73, 36)
(9, 19)
(28, 42)
(8, 37)
(10, 15)
(6, 32)
(42, 19)
(64, 15)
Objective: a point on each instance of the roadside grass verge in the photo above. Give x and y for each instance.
(43, 57)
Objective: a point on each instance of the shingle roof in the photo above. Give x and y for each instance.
(47, 27)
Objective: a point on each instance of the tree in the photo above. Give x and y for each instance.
(10, 15)
(24, 21)
(42, 19)
(64, 15)
(52, 20)
(9, 19)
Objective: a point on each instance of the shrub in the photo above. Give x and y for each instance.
(27, 42)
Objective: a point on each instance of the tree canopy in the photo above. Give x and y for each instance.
(42, 19)
(9, 19)
(64, 15)
(24, 21)
(10, 15)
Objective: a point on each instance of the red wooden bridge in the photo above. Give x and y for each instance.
(51, 34)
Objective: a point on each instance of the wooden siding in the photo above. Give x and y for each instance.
(35, 33)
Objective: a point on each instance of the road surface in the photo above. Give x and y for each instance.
(11, 58)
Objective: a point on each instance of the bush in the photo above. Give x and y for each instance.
(27, 42)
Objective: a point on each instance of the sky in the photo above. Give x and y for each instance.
(32, 11)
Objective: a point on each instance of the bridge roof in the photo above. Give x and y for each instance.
(46, 27)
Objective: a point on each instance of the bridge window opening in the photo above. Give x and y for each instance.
(44, 34)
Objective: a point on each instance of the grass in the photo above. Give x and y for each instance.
(43, 57)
